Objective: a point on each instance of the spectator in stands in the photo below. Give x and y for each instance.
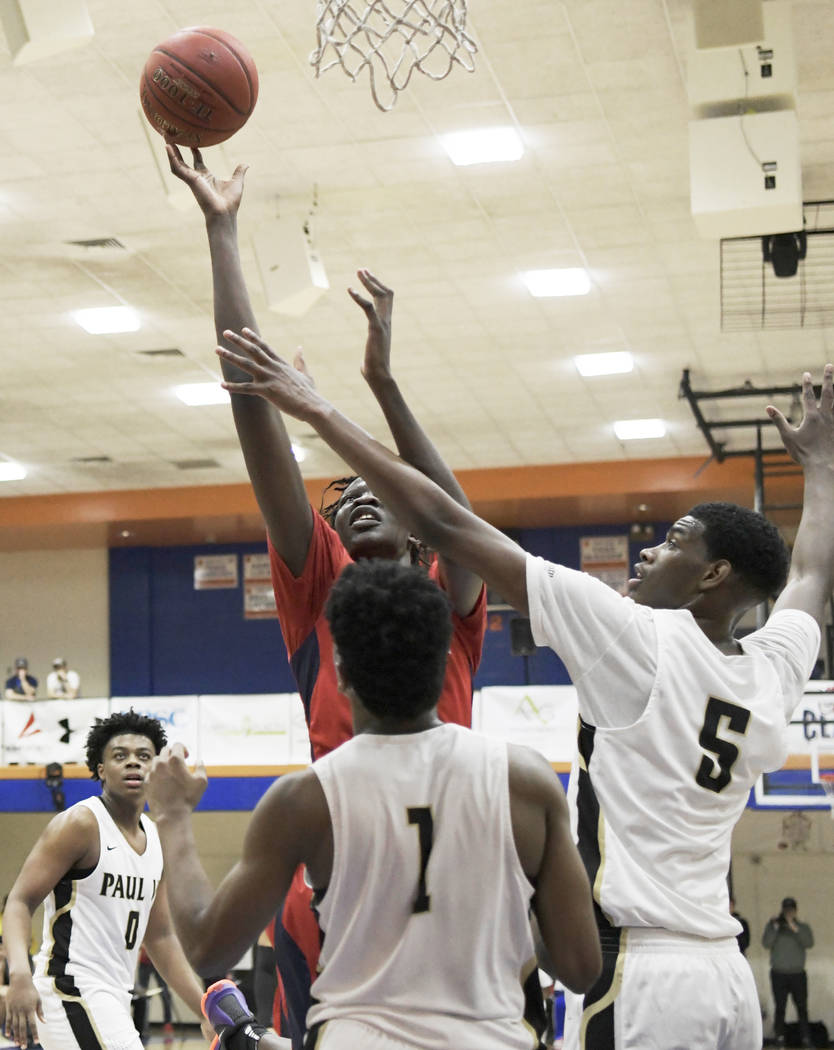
(788, 938)
(21, 685)
(61, 682)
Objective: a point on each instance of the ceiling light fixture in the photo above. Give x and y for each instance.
(483, 146)
(633, 429)
(202, 394)
(108, 320)
(299, 452)
(545, 284)
(11, 471)
(617, 362)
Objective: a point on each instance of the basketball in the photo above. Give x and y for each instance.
(199, 86)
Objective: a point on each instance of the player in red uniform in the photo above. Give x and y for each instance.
(307, 554)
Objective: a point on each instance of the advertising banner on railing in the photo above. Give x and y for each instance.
(248, 730)
(541, 716)
(179, 715)
(43, 731)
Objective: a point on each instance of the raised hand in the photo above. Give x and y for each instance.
(812, 442)
(289, 388)
(378, 310)
(172, 786)
(215, 196)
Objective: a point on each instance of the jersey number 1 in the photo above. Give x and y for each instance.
(726, 753)
(421, 816)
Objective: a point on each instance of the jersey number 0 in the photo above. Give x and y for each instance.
(725, 752)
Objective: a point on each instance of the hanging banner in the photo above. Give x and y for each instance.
(249, 730)
(179, 716)
(542, 717)
(606, 558)
(256, 567)
(42, 731)
(259, 600)
(215, 571)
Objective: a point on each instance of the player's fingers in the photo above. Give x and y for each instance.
(808, 396)
(240, 172)
(201, 771)
(782, 425)
(239, 388)
(199, 164)
(241, 362)
(827, 395)
(252, 337)
(360, 300)
(373, 284)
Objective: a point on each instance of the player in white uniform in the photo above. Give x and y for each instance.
(426, 845)
(677, 716)
(97, 868)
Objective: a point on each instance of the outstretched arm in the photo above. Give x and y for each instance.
(216, 927)
(811, 444)
(426, 509)
(273, 471)
(413, 444)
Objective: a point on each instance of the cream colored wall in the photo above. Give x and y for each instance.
(55, 603)
(763, 874)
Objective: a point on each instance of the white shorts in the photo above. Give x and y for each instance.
(667, 991)
(343, 1034)
(97, 1019)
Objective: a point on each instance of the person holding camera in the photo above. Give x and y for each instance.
(788, 939)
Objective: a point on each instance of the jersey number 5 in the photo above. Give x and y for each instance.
(726, 753)
(421, 816)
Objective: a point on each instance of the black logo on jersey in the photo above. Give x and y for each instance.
(126, 887)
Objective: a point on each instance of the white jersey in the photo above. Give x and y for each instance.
(94, 920)
(426, 929)
(656, 792)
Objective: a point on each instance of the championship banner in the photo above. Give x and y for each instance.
(43, 731)
(542, 717)
(179, 716)
(249, 730)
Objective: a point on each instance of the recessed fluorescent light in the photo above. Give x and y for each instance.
(546, 283)
(11, 471)
(631, 429)
(108, 320)
(299, 452)
(483, 146)
(202, 394)
(611, 364)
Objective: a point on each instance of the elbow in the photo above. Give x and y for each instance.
(584, 969)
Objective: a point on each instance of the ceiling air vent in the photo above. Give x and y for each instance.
(195, 464)
(167, 351)
(99, 242)
(91, 459)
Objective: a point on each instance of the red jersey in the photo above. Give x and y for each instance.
(301, 601)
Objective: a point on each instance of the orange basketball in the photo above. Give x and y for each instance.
(199, 86)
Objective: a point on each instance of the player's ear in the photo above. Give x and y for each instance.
(716, 573)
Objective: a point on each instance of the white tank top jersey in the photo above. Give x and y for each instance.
(94, 920)
(426, 917)
(672, 736)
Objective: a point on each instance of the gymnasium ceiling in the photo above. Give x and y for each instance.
(596, 89)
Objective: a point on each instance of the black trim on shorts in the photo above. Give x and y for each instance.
(599, 1031)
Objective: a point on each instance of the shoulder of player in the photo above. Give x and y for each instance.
(530, 775)
(74, 831)
(295, 798)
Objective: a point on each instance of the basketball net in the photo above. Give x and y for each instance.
(392, 38)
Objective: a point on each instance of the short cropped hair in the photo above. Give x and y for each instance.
(749, 542)
(116, 725)
(417, 550)
(392, 626)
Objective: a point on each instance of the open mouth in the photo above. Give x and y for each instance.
(364, 518)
